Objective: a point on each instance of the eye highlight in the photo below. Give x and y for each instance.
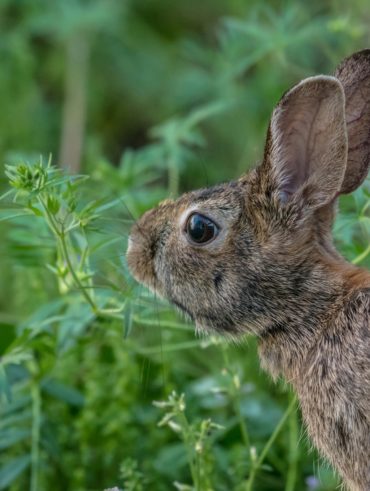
(200, 229)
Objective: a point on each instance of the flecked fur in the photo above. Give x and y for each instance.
(273, 270)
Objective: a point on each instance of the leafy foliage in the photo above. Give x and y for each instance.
(179, 96)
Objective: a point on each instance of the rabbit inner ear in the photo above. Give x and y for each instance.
(307, 144)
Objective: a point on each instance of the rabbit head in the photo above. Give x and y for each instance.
(235, 255)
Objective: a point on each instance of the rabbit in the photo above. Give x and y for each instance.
(256, 256)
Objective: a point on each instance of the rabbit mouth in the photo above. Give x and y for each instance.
(205, 324)
(183, 309)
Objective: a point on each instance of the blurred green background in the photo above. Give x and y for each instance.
(148, 98)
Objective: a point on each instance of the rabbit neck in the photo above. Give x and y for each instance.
(293, 330)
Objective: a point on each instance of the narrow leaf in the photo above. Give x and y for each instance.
(10, 471)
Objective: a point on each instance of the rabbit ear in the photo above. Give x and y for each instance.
(306, 149)
(354, 75)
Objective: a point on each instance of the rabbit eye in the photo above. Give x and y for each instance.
(200, 229)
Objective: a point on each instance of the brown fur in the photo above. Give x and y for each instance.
(273, 269)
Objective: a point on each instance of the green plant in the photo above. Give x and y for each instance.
(177, 96)
(86, 317)
(196, 438)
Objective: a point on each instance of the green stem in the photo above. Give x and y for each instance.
(199, 474)
(242, 425)
(362, 256)
(61, 238)
(236, 401)
(261, 458)
(163, 323)
(169, 348)
(73, 273)
(50, 219)
(293, 452)
(190, 448)
(35, 435)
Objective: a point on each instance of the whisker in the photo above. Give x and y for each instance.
(135, 221)
(121, 200)
(204, 167)
(161, 339)
(112, 219)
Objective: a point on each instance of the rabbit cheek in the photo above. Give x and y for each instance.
(179, 271)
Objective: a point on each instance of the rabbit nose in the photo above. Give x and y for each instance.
(129, 245)
(137, 241)
(143, 233)
(141, 250)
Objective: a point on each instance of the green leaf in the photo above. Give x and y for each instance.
(53, 204)
(16, 355)
(10, 436)
(17, 417)
(17, 403)
(77, 318)
(63, 392)
(10, 471)
(4, 384)
(35, 210)
(6, 194)
(15, 215)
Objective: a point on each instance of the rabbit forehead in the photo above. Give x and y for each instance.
(222, 200)
(222, 214)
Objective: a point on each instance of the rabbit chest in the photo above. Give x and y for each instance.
(333, 386)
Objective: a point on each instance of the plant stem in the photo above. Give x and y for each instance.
(61, 238)
(362, 256)
(243, 426)
(190, 448)
(73, 273)
(268, 445)
(293, 452)
(50, 219)
(236, 401)
(35, 435)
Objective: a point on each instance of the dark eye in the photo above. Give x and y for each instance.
(200, 229)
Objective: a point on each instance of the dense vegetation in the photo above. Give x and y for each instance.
(102, 384)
